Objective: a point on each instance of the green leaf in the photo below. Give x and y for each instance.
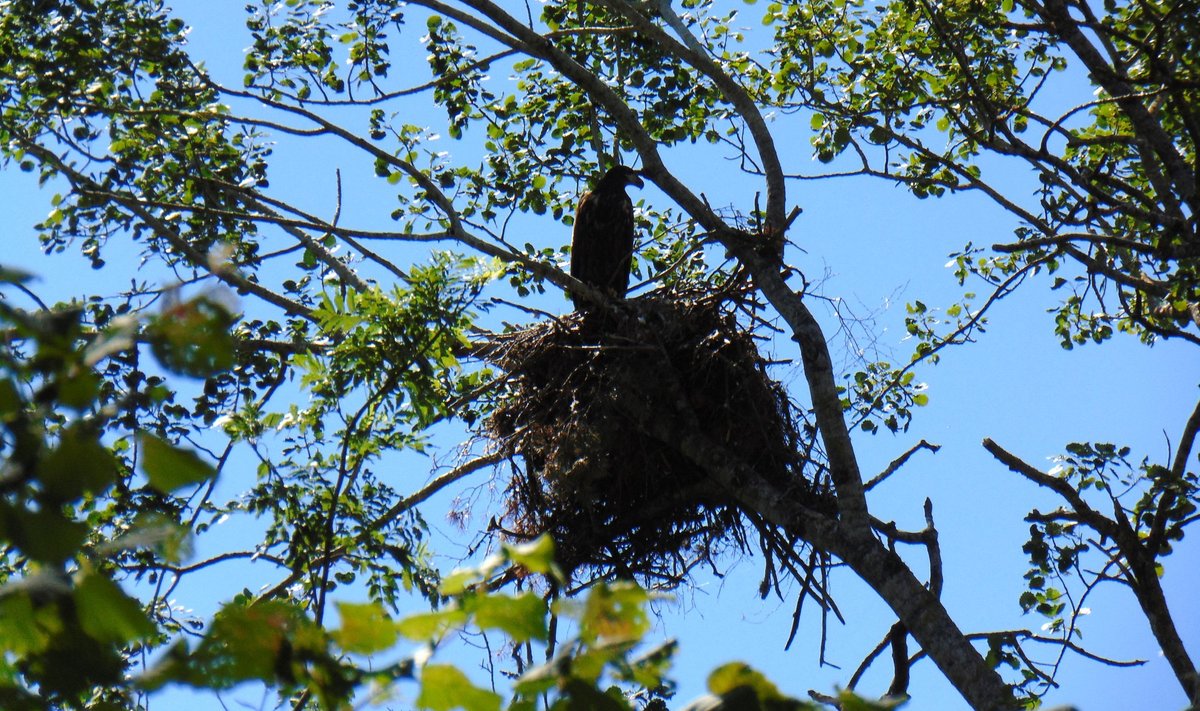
(582, 696)
(459, 580)
(10, 275)
(614, 614)
(11, 401)
(261, 641)
(169, 468)
(431, 625)
(444, 688)
(169, 540)
(44, 535)
(849, 701)
(589, 665)
(79, 389)
(543, 677)
(194, 337)
(522, 618)
(78, 465)
(737, 680)
(366, 628)
(107, 614)
(537, 556)
(22, 633)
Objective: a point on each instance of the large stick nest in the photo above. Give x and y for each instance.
(616, 499)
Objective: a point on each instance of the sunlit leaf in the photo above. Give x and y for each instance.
(522, 617)
(444, 688)
(365, 629)
(614, 614)
(537, 556)
(193, 337)
(431, 625)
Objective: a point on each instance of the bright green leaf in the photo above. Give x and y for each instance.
(522, 617)
(614, 614)
(431, 625)
(537, 556)
(444, 688)
(366, 628)
(44, 535)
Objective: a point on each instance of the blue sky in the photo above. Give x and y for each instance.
(880, 248)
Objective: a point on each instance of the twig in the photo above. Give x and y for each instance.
(899, 462)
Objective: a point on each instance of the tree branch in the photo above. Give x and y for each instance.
(899, 462)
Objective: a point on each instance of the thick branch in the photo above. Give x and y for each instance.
(1057, 13)
(822, 385)
(1186, 442)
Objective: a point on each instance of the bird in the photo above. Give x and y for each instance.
(602, 240)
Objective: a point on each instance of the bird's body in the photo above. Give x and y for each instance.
(602, 242)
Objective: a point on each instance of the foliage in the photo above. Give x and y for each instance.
(137, 419)
(73, 508)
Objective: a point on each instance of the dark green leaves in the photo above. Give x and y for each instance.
(742, 687)
(79, 465)
(107, 614)
(194, 337)
(44, 535)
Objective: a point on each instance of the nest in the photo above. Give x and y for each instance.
(618, 499)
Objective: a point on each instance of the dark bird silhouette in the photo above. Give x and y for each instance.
(602, 243)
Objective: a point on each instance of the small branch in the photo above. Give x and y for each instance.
(1031, 666)
(390, 515)
(899, 462)
(866, 663)
(935, 551)
(1120, 277)
(194, 257)
(435, 486)
(221, 558)
(898, 639)
(1027, 634)
(1067, 238)
(1061, 487)
(824, 699)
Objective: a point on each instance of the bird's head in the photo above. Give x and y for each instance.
(621, 176)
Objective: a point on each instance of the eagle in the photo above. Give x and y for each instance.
(602, 242)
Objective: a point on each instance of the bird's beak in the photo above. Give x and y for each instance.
(636, 179)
